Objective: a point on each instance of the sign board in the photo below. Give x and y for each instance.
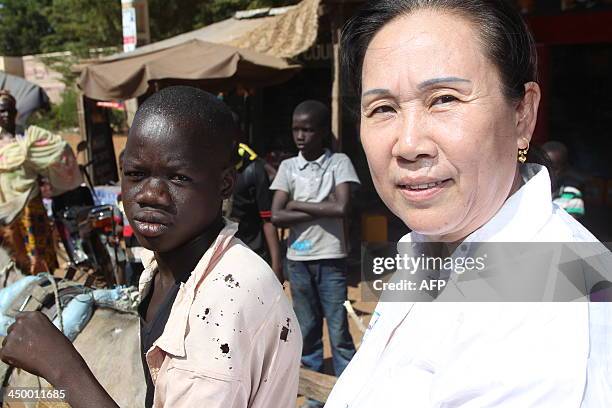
(135, 16)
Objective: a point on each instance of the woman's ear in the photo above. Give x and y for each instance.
(527, 113)
(228, 180)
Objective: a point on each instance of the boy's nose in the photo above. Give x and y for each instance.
(155, 194)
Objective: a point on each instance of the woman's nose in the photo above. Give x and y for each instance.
(415, 140)
(155, 194)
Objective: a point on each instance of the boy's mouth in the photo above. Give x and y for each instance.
(149, 229)
(151, 224)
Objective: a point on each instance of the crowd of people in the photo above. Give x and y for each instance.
(448, 107)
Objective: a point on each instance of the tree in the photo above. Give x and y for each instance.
(79, 25)
(35, 26)
(23, 26)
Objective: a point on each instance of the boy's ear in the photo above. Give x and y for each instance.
(228, 180)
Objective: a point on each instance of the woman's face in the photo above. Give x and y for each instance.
(440, 136)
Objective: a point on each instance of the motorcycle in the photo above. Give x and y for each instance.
(88, 233)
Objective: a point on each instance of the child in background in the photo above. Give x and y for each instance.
(312, 199)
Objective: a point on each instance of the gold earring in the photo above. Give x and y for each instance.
(522, 154)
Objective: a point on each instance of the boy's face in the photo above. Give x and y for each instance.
(307, 133)
(172, 187)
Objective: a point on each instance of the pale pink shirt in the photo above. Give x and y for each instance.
(232, 339)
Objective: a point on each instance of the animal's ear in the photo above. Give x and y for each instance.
(228, 180)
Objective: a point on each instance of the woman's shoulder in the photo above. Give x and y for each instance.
(562, 227)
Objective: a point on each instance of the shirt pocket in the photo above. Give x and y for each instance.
(181, 385)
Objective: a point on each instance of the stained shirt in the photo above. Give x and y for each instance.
(313, 182)
(231, 340)
(481, 355)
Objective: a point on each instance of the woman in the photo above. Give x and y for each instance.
(448, 107)
(24, 160)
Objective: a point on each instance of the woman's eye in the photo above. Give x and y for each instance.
(444, 99)
(382, 109)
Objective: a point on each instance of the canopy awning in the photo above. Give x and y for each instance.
(215, 67)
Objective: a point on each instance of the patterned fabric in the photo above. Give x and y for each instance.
(30, 238)
(26, 158)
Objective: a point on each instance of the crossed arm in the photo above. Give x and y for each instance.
(286, 213)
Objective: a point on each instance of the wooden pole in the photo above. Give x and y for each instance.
(336, 97)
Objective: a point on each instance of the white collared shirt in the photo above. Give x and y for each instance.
(480, 355)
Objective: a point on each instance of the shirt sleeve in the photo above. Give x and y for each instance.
(281, 181)
(276, 359)
(263, 194)
(344, 171)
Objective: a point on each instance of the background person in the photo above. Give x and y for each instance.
(252, 208)
(24, 160)
(566, 184)
(448, 104)
(312, 198)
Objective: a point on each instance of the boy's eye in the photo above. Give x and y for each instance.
(180, 178)
(304, 130)
(133, 174)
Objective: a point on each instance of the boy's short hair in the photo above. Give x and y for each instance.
(317, 110)
(205, 113)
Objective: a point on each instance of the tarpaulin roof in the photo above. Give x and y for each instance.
(30, 97)
(213, 66)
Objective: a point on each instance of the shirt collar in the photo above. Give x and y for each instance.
(522, 215)
(303, 163)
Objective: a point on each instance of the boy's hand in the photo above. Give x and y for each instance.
(34, 344)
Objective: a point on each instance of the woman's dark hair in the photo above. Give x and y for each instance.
(503, 33)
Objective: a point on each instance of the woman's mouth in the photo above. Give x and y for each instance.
(422, 191)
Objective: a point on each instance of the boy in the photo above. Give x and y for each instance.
(251, 207)
(312, 198)
(216, 326)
